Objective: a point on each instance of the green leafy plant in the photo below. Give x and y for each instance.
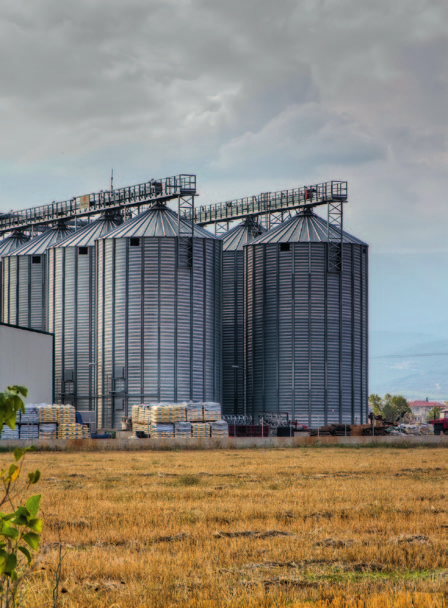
(434, 413)
(20, 526)
(391, 407)
(11, 401)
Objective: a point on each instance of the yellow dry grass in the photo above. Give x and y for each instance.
(360, 528)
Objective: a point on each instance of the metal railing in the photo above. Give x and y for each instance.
(89, 204)
(269, 202)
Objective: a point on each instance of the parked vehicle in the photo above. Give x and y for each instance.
(441, 424)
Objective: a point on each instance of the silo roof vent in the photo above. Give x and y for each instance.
(158, 221)
(241, 235)
(90, 233)
(39, 244)
(305, 227)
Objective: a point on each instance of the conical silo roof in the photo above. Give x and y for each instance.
(241, 235)
(14, 241)
(158, 221)
(305, 227)
(87, 236)
(39, 244)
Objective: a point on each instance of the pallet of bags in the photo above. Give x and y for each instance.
(49, 413)
(144, 415)
(10, 434)
(182, 429)
(29, 431)
(160, 430)
(211, 411)
(73, 431)
(141, 419)
(142, 428)
(219, 428)
(135, 414)
(67, 414)
(194, 411)
(183, 410)
(31, 415)
(168, 413)
(48, 430)
(200, 429)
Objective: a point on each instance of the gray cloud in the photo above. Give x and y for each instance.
(250, 95)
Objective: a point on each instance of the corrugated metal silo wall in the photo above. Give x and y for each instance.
(24, 298)
(232, 332)
(164, 330)
(305, 335)
(71, 317)
(1, 289)
(6, 280)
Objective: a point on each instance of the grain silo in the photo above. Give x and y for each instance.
(71, 311)
(24, 280)
(7, 245)
(158, 325)
(306, 327)
(232, 314)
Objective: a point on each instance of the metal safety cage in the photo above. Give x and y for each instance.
(335, 235)
(185, 210)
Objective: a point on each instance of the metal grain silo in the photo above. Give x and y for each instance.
(306, 327)
(7, 245)
(158, 325)
(232, 314)
(24, 280)
(71, 311)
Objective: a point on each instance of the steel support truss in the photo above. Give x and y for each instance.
(267, 203)
(335, 226)
(275, 218)
(137, 196)
(222, 227)
(254, 226)
(185, 208)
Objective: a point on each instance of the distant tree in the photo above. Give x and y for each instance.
(390, 406)
(375, 403)
(434, 413)
(395, 406)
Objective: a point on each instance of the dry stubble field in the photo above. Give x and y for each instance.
(332, 527)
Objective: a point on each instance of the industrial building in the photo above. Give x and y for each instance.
(71, 289)
(7, 245)
(24, 280)
(305, 328)
(158, 310)
(268, 316)
(233, 313)
(28, 352)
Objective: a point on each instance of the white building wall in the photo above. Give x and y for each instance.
(26, 358)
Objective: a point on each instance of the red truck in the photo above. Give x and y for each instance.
(441, 424)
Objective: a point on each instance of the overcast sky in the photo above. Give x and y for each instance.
(251, 95)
